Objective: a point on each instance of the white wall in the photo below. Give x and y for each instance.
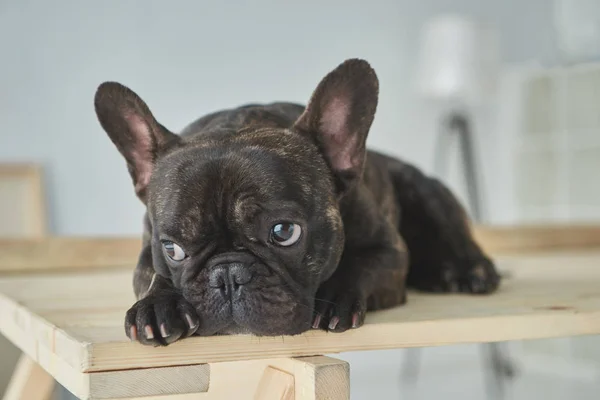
(187, 58)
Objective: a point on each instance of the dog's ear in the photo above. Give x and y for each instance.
(133, 129)
(339, 116)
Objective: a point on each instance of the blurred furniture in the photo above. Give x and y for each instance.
(22, 215)
(22, 208)
(577, 25)
(458, 71)
(62, 302)
(457, 74)
(556, 151)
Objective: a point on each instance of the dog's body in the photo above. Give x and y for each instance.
(272, 219)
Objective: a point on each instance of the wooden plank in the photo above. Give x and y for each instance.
(147, 382)
(45, 361)
(66, 253)
(312, 378)
(501, 240)
(77, 318)
(29, 382)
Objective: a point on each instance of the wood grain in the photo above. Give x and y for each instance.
(313, 378)
(77, 318)
(147, 382)
(66, 253)
(324, 378)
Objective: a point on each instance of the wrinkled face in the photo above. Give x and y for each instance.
(247, 226)
(246, 232)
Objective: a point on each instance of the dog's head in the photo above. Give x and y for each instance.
(248, 226)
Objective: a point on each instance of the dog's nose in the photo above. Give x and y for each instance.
(229, 279)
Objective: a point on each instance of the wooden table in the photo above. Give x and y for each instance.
(70, 322)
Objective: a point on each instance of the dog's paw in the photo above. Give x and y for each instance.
(338, 310)
(161, 319)
(473, 277)
(480, 278)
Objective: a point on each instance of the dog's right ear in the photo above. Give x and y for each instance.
(133, 129)
(338, 117)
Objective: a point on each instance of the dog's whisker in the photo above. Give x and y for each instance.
(325, 301)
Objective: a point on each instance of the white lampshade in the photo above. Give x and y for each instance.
(458, 60)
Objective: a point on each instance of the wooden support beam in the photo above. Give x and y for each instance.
(29, 382)
(313, 378)
(304, 378)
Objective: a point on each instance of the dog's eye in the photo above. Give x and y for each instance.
(173, 250)
(285, 233)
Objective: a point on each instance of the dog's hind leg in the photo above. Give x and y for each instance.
(444, 256)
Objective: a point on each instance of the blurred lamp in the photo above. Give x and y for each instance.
(458, 61)
(577, 25)
(458, 69)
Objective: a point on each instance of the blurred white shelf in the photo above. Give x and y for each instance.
(557, 148)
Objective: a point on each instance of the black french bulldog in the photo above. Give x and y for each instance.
(274, 219)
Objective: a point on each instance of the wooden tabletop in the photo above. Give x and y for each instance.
(75, 319)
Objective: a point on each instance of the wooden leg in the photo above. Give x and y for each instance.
(303, 378)
(29, 382)
(275, 385)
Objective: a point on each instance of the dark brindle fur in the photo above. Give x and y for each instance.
(217, 189)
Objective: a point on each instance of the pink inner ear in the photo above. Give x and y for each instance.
(341, 143)
(141, 152)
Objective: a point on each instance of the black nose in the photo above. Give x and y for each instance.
(229, 279)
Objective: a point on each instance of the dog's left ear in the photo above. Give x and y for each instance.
(134, 130)
(339, 116)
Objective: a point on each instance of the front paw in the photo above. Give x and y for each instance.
(338, 309)
(161, 319)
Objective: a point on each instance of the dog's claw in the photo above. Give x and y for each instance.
(149, 333)
(163, 331)
(337, 311)
(333, 322)
(355, 320)
(133, 333)
(190, 322)
(160, 319)
(317, 322)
